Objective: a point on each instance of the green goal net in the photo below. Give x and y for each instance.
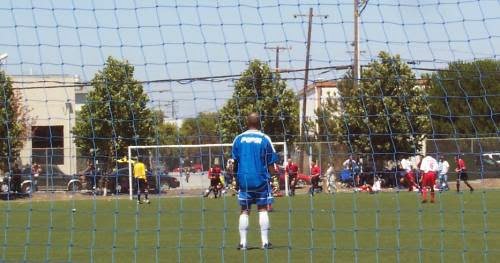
(396, 103)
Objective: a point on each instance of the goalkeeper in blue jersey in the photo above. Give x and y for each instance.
(254, 158)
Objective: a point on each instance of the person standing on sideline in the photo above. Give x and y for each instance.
(141, 180)
(254, 158)
(443, 168)
(329, 183)
(292, 170)
(462, 173)
(429, 168)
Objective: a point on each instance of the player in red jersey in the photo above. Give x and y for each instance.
(214, 174)
(409, 180)
(462, 173)
(429, 167)
(292, 169)
(315, 174)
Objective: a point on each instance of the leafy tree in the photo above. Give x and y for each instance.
(385, 116)
(201, 130)
(165, 132)
(464, 99)
(262, 91)
(115, 114)
(14, 123)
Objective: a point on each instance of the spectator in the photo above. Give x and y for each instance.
(330, 179)
(352, 166)
(443, 168)
(36, 170)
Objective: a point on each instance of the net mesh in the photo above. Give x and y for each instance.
(81, 81)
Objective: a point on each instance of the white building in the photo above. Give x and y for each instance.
(317, 93)
(52, 101)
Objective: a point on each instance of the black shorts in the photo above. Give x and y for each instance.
(142, 185)
(215, 182)
(463, 176)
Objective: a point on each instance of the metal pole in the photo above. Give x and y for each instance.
(277, 50)
(356, 67)
(285, 163)
(304, 91)
(46, 170)
(306, 79)
(277, 59)
(130, 186)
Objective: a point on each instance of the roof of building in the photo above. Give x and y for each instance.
(322, 84)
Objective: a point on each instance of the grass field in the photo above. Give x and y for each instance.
(346, 227)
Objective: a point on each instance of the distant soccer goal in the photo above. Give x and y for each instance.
(188, 163)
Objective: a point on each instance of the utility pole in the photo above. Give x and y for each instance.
(277, 50)
(306, 79)
(356, 69)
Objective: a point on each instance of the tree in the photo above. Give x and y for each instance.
(464, 99)
(385, 117)
(201, 130)
(165, 132)
(115, 114)
(262, 91)
(14, 123)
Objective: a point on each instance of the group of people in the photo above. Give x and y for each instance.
(430, 174)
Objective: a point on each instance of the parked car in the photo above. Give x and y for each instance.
(491, 159)
(118, 181)
(51, 178)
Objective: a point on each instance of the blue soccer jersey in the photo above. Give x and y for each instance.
(254, 152)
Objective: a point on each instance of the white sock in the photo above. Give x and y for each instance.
(264, 226)
(243, 229)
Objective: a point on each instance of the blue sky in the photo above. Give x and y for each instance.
(187, 39)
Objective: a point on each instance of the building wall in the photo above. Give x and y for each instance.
(50, 106)
(314, 97)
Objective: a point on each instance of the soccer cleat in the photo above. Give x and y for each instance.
(241, 247)
(267, 246)
(424, 201)
(148, 202)
(471, 190)
(139, 202)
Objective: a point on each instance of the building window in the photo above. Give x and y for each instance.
(47, 143)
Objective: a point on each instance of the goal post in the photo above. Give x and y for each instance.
(179, 147)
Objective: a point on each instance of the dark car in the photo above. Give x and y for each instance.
(118, 181)
(51, 178)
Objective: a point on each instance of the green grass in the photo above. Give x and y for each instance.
(385, 227)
